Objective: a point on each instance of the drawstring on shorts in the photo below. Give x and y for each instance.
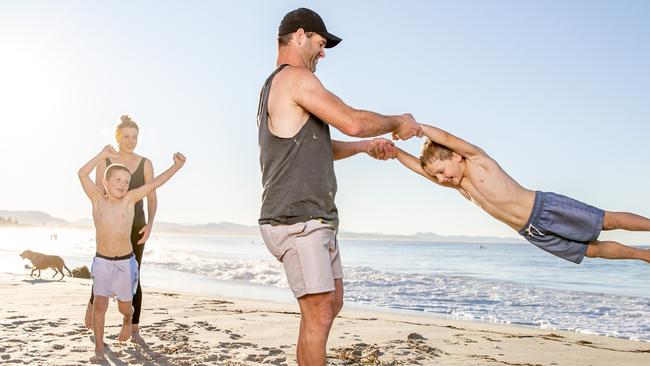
(530, 232)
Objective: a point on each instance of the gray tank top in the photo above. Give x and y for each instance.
(298, 172)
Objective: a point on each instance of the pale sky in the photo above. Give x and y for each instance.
(557, 92)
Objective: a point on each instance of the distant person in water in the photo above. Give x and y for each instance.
(557, 224)
(141, 169)
(114, 269)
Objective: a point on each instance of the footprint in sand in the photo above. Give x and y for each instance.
(261, 358)
(205, 325)
(415, 337)
(218, 357)
(491, 339)
(236, 345)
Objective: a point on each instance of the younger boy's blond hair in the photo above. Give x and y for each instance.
(113, 168)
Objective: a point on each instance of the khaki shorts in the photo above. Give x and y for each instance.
(310, 254)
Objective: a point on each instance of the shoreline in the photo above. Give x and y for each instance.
(42, 324)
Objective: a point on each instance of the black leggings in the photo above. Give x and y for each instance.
(137, 250)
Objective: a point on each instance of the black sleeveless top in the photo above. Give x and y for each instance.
(298, 177)
(137, 181)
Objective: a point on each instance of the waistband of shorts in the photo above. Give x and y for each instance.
(120, 258)
(539, 199)
(294, 220)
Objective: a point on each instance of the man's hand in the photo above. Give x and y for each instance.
(179, 159)
(381, 149)
(408, 128)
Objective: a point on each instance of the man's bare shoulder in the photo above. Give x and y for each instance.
(295, 76)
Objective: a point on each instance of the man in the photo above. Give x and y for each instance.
(299, 219)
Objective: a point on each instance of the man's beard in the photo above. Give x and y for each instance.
(312, 65)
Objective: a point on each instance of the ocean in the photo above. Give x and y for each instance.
(502, 283)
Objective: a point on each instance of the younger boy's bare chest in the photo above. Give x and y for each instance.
(117, 215)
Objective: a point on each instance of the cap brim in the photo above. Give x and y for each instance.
(332, 40)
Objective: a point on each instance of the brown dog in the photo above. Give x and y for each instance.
(43, 261)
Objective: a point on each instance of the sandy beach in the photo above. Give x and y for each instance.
(42, 325)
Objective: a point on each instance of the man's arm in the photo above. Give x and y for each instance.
(452, 142)
(92, 190)
(413, 164)
(308, 92)
(139, 193)
(378, 148)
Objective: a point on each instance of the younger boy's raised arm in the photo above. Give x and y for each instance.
(139, 193)
(91, 190)
(453, 143)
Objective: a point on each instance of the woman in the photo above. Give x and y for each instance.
(126, 134)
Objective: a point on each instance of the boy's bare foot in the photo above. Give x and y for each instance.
(125, 333)
(99, 356)
(88, 319)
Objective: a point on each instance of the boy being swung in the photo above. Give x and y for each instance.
(114, 268)
(557, 224)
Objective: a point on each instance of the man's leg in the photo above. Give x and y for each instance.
(625, 221)
(338, 296)
(317, 313)
(614, 250)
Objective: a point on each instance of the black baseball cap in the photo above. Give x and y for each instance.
(309, 21)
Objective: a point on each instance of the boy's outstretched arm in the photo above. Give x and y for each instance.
(413, 163)
(139, 193)
(93, 191)
(453, 143)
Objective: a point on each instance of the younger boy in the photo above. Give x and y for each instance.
(557, 224)
(114, 269)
